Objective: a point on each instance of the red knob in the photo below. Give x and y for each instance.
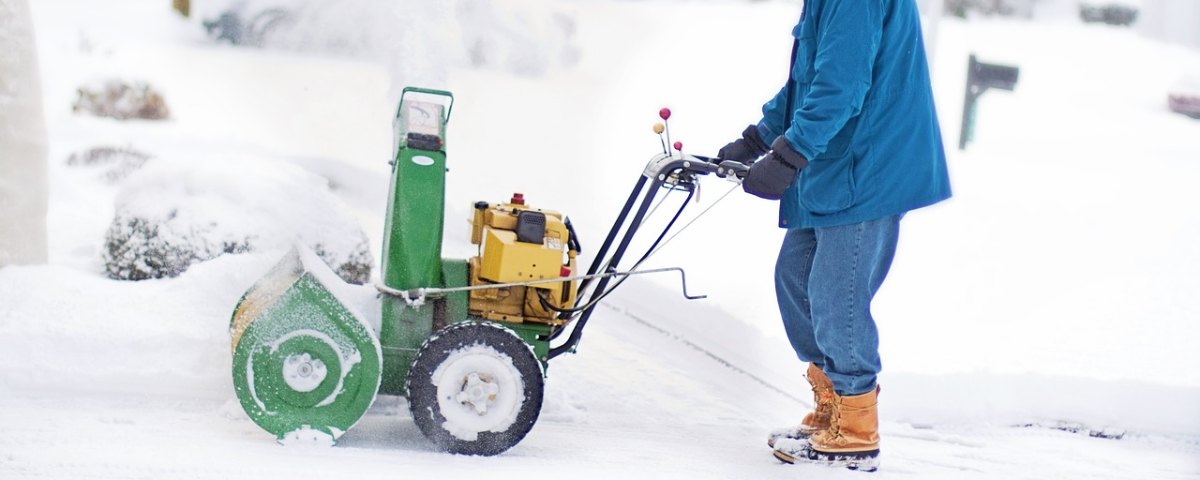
(565, 271)
(665, 113)
(517, 199)
(678, 146)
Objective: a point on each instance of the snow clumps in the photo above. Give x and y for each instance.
(170, 215)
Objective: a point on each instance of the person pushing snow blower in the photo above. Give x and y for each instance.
(848, 145)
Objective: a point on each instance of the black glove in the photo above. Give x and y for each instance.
(744, 149)
(769, 177)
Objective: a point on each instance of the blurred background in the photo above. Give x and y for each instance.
(156, 157)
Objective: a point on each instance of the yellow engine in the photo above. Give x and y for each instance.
(520, 244)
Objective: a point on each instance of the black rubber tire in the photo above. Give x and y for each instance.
(422, 393)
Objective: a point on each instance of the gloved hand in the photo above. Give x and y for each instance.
(744, 149)
(769, 177)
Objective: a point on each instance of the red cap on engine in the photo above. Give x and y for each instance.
(517, 199)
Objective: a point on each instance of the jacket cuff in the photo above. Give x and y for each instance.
(754, 140)
(788, 154)
(765, 133)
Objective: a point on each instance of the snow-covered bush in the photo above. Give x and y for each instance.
(1112, 12)
(114, 163)
(1004, 8)
(122, 100)
(170, 215)
(520, 36)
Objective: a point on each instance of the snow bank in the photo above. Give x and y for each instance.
(983, 398)
(171, 215)
(62, 329)
(67, 330)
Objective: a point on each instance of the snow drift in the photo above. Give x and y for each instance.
(171, 215)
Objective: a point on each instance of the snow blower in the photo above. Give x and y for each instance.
(467, 341)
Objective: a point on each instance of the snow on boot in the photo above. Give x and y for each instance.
(791, 450)
(816, 420)
(852, 440)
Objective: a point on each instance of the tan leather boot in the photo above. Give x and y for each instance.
(816, 420)
(852, 439)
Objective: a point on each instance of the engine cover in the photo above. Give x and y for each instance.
(518, 244)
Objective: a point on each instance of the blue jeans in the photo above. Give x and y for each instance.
(825, 279)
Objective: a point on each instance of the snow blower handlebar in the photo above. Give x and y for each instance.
(665, 171)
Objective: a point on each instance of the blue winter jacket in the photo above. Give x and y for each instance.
(863, 115)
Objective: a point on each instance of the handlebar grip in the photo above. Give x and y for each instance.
(738, 169)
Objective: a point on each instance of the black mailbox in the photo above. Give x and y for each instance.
(980, 77)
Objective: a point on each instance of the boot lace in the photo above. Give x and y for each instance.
(835, 423)
(824, 400)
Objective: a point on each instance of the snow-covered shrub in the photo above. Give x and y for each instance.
(1004, 8)
(122, 100)
(1112, 12)
(114, 163)
(171, 215)
(520, 36)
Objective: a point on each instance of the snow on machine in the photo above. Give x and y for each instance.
(467, 341)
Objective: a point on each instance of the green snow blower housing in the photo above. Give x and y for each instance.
(305, 366)
(466, 340)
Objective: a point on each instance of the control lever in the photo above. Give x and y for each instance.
(726, 167)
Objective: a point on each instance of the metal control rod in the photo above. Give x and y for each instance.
(666, 170)
(416, 297)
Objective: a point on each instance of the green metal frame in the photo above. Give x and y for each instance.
(412, 247)
(291, 314)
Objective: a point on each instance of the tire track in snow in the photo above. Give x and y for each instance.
(708, 353)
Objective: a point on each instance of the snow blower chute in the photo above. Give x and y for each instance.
(467, 341)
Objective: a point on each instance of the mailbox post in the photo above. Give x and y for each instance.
(980, 77)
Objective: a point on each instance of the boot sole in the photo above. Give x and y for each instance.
(783, 457)
(860, 461)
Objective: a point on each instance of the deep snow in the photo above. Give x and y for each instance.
(1054, 290)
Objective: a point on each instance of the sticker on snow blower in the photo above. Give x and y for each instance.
(422, 160)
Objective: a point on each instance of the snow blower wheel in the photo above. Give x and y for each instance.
(475, 389)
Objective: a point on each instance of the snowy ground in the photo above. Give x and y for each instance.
(1056, 289)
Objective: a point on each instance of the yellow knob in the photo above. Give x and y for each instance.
(658, 128)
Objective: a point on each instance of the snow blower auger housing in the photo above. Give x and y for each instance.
(467, 341)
